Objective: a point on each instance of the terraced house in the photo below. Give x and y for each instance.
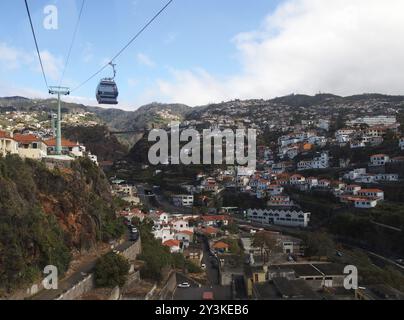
(7, 144)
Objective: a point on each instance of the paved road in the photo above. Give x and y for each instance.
(386, 226)
(211, 272)
(213, 285)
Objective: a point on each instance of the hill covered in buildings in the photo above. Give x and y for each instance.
(48, 215)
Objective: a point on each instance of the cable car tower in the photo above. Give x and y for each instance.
(59, 91)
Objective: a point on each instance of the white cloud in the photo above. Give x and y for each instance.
(13, 58)
(8, 90)
(145, 60)
(52, 65)
(306, 46)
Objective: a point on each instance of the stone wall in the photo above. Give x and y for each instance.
(169, 288)
(79, 289)
(133, 251)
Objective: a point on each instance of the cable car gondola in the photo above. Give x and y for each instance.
(107, 90)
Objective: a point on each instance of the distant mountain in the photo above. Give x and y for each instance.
(156, 114)
(148, 116)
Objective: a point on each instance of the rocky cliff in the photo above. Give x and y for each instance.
(46, 215)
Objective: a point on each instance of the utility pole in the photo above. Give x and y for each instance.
(59, 91)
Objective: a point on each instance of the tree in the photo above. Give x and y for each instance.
(111, 270)
(319, 244)
(266, 242)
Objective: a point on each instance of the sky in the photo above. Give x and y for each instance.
(205, 51)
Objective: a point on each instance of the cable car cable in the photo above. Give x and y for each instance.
(72, 43)
(126, 46)
(36, 44)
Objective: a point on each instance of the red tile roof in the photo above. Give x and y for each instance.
(221, 245)
(370, 191)
(171, 243)
(4, 134)
(65, 143)
(214, 218)
(210, 230)
(190, 233)
(26, 138)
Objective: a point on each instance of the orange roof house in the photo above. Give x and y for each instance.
(210, 231)
(221, 246)
(65, 143)
(171, 243)
(26, 138)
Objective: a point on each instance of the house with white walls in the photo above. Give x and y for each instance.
(379, 159)
(7, 144)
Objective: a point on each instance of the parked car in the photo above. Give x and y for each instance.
(134, 230)
(184, 285)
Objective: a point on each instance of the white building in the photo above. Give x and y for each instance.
(183, 200)
(355, 174)
(320, 162)
(386, 177)
(353, 189)
(372, 193)
(297, 179)
(365, 203)
(379, 159)
(7, 144)
(30, 146)
(286, 217)
(163, 233)
(181, 225)
(374, 121)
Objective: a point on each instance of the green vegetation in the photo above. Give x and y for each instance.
(234, 246)
(179, 262)
(232, 228)
(266, 242)
(45, 214)
(111, 270)
(157, 258)
(319, 245)
(98, 140)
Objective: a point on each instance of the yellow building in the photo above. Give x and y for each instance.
(254, 275)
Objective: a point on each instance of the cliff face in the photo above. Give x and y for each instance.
(45, 215)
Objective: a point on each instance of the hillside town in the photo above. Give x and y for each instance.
(235, 232)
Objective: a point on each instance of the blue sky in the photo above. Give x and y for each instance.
(190, 34)
(202, 51)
